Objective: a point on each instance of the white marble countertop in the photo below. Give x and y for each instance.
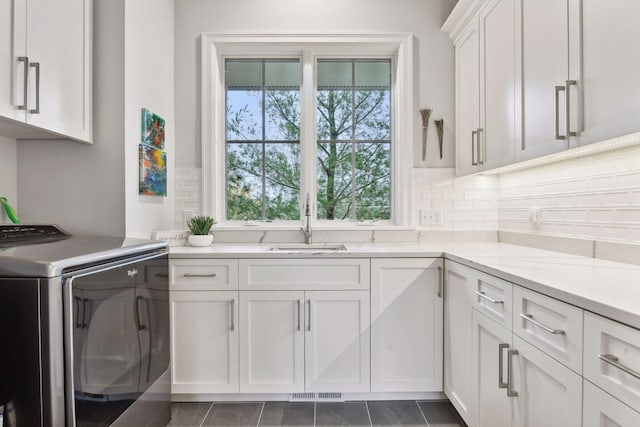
(608, 288)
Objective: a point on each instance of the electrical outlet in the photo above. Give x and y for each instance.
(535, 217)
(173, 237)
(431, 216)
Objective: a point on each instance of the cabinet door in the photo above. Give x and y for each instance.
(498, 94)
(271, 342)
(458, 338)
(204, 356)
(59, 40)
(603, 410)
(467, 101)
(406, 324)
(544, 56)
(337, 341)
(549, 394)
(491, 343)
(13, 45)
(610, 80)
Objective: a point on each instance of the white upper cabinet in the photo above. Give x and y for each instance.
(498, 93)
(544, 58)
(553, 75)
(46, 69)
(610, 80)
(467, 101)
(486, 93)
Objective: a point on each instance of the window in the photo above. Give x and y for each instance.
(287, 116)
(354, 139)
(263, 139)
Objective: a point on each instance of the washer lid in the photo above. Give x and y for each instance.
(45, 250)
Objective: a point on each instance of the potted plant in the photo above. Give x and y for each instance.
(200, 227)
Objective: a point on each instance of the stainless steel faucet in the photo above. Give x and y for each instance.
(306, 230)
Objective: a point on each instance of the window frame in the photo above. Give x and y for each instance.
(215, 49)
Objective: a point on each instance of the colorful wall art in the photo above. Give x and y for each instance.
(153, 158)
(152, 129)
(153, 171)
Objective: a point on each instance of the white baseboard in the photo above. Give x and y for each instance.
(275, 397)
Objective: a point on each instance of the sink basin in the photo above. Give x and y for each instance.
(312, 247)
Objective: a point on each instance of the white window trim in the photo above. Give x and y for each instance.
(215, 47)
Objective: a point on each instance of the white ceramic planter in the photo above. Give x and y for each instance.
(200, 240)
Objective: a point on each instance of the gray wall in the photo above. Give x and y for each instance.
(423, 18)
(78, 186)
(8, 175)
(93, 189)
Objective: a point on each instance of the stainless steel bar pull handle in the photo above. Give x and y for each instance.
(614, 361)
(200, 275)
(529, 318)
(440, 282)
(232, 303)
(567, 94)
(25, 72)
(482, 148)
(481, 294)
(474, 161)
(558, 90)
(36, 65)
(510, 391)
(299, 322)
(501, 348)
(309, 324)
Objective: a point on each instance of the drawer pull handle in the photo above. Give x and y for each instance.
(299, 315)
(488, 298)
(613, 361)
(501, 383)
(26, 81)
(529, 318)
(232, 304)
(510, 391)
(199, 275)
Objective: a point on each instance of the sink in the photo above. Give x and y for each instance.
(311, 247)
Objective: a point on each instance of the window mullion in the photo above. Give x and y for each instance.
(353, 140)
(308, 135)
(264, 151)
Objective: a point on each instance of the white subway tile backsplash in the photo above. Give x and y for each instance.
(594, 197)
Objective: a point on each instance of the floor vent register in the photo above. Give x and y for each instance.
(316, 397)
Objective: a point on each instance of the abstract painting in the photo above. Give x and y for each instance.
(153, 171)
(152, 131)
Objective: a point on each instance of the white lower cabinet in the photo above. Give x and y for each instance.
(204, 346)
(548, 393)
(406, 324)
(600, 409)
(271, 342)
(337, 341)
(287, 336)
(458, 286)
(491, 344)
(518, 385)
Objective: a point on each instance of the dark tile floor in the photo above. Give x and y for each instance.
(372, 413)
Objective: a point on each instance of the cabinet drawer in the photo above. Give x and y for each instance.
(601, 409)
(204, 274)
(551, 325)
(304, 274)
(493, 297)
(612, 358)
